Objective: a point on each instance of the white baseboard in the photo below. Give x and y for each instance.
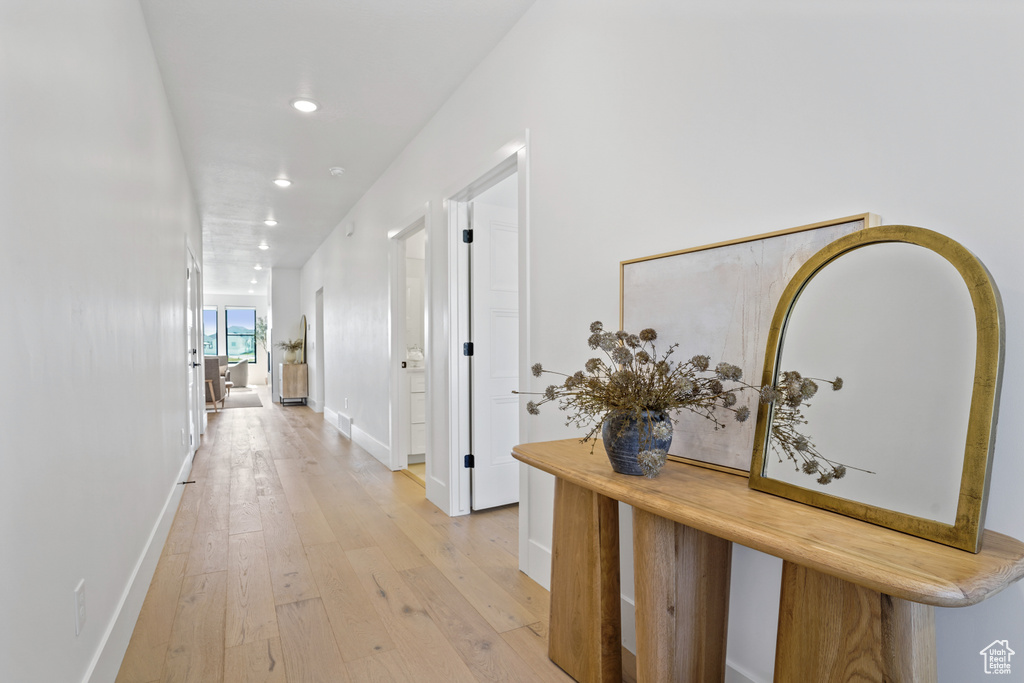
(538, 564)
(340, 421)
(114, 643)
(371, 445)
(628, 611)
(734, 675)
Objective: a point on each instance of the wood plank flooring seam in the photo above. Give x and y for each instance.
(338, 529)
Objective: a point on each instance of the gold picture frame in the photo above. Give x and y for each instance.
(982, 378)
(718, 300)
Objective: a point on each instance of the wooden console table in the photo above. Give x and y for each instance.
(856, 599)
(293, 382)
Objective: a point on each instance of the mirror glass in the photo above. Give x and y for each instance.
(895, 321)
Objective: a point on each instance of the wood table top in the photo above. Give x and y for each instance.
(723, 505)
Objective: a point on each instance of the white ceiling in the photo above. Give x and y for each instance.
(379, 70)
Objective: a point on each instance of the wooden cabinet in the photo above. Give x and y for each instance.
(292, 378)
(856, 599)
(417, 412)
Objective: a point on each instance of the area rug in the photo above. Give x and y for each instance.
(243, 397)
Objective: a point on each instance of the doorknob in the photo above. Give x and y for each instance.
(194, 364)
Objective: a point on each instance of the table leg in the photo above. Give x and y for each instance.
(682, 601)
(213, 397)
(834, 630)
(585, 635)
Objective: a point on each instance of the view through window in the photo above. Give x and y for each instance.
(240, 326)
(209, 330)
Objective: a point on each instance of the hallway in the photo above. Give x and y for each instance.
(296, 556)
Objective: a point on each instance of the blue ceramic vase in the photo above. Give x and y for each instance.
(624, 436)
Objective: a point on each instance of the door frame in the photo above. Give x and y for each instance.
(516, 161)
(398, 457)
(319, 390)
(196, 402)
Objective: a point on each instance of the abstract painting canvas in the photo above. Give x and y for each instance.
(718, 300)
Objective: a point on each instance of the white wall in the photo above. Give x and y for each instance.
(96, 209)
(285, 317)
(662, 125)
(353, 273)
(257, 370)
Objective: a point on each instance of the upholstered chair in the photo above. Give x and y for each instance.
(216, 390)
(239, 373)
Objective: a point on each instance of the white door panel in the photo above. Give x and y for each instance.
(504, 349)
(504, 428)
(495, 334)
(504, 240)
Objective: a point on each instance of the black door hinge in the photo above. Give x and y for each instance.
(467, 236)
(467, 349)
(469, 461)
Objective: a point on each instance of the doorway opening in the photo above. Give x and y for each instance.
(487, 222)
(409, 326)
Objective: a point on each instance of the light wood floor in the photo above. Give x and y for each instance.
(418, 472)
(296, 557)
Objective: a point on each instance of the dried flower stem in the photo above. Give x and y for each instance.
(632, 378)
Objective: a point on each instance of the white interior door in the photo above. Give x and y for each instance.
(495, 360)
(409, 314)
(194, 369)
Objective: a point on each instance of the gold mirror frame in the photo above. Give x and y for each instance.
(302, 353)
(965, 533)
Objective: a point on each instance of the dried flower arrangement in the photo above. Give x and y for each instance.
(789, 395)
(290, 345)
(634, 380)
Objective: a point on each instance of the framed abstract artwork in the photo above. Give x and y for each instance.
(718, 300)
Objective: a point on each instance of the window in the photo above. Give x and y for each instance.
(240, 326)
(209, 330)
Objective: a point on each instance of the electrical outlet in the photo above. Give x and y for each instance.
(79, 606)
(346, 404)
(182, 436)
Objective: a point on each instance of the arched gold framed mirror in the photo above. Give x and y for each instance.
(912, 323)
(302, 352)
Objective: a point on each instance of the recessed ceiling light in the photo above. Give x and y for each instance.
(252, 281)
(304, 105)
(257, 267)
(250, 291)
(282, 182)
(264, 247)
(270, 221)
